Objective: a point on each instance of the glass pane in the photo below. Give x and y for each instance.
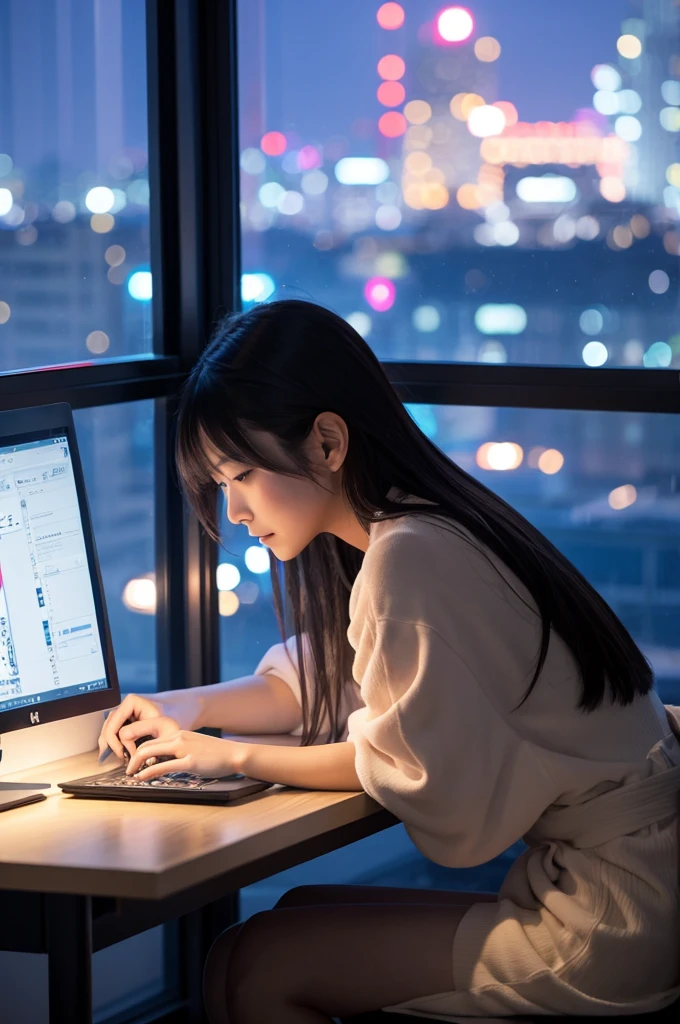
(74, 195)
(248, 625)
(116, 448)
(603, 487)
(457, 195)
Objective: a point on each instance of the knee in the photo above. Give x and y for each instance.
(246, 998)
(300, 896)
(215, 974)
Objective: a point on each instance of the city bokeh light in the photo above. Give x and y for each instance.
(391, 67)
(392, 124)
(487, 49)
(454, 25)
(390, 16)
(380, 293)
(273, 143)
(391, 94)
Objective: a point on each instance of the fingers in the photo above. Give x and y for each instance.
(133, 709)
(128, 734)
(153, 748)
(161, 768)
(116, 718)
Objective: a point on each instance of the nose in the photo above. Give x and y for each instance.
(234, 511)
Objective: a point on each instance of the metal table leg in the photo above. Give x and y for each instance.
(69, 956)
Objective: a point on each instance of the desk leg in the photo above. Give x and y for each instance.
(197, 932)
(69, 957)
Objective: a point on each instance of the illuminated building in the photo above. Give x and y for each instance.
(440, 154)
(652, 76)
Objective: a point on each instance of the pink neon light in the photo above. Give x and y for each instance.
(380, 293)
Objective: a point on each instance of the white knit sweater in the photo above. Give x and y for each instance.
(444, 650)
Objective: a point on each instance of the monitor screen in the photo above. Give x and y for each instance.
(50, 638)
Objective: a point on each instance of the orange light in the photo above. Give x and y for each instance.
(468, 197)
(469, 102)
(413, 197)
(509, 111)
(391, 67)
(392, 124)
(418, 162)
(390, 16)
(273, 143)
(671, 243)
(491, 173)
(487, 49)
(391, 94)
(623, 236)
(553, 143)
(612, 189)
(550, 461)
(434, 195)
(455, 106)
(482, 455)
(418, 111)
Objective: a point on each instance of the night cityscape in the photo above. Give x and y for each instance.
(479, 184)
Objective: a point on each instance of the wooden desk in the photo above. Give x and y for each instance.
(77, 875)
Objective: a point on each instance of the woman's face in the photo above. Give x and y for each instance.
(294, 510)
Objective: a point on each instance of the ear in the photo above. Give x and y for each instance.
(332, 432)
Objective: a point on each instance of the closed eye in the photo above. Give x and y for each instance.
(239, 479)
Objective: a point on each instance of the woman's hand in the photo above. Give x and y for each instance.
(158, 728)
(185, 751)
(119, 731)
(133, 709)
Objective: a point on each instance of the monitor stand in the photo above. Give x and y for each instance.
(16, 794)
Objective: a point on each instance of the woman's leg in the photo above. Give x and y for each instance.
(215, 973)
(311, 964)
(311, 895)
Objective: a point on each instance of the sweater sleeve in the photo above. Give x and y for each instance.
(430, 746)
(281, 660)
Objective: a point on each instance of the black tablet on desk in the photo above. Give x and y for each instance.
(180, 787)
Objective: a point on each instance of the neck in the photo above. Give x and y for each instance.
(348, 528)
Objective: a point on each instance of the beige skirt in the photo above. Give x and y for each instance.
(582, 926)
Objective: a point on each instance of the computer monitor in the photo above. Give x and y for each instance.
(56, 657)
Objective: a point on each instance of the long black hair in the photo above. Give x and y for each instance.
(277, 366)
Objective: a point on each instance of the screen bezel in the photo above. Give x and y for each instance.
(54, 421)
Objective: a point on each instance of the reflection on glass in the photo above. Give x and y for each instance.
(469, 172)
(74, 195)
(116, 449)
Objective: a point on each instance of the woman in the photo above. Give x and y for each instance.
(457, 668)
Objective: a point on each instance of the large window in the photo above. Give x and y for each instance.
(74, 191)
(494, 184)
(490, 194)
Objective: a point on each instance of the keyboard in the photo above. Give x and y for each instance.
(173, 780)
